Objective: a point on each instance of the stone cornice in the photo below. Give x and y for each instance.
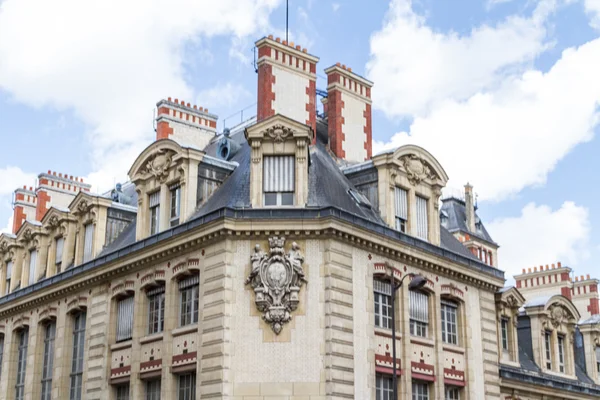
(245, 224)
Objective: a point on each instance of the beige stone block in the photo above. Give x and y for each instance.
(276, 389)
(246, 389)
(306, 388)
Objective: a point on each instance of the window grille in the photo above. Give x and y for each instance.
(187, 387)
(419, 313)
(125, 318)
(449, 322)
(401, 209)
(422, 220)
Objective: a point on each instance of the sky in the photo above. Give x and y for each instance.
(504, 93)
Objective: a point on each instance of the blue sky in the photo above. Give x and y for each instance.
(504, 93)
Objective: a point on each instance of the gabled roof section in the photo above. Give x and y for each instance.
(418, 163)
(547, 303)
(59, 213)
(455, 211)
(158, 157)
(84, 201)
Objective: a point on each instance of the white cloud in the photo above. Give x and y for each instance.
(109, 61)
(9, 225)
(592, 8)
(12, 178)
(335, 6)
(223, 94)
(415, 68)
(541, 236)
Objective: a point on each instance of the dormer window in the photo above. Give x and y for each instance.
(548, 349)
(422, 219)
(419, 313)
(60, 244)
(9, 266)
(88, 242)
(401, 209)
(561, 353)
(154, 203)
(209, 180)
(175, 202)
(504, 332)
(598, 358)
(32, 263)
(279, 180)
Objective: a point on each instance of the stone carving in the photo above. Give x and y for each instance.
(28, 235)
(3, 247)
(417, 169)
(512, 302)
(159, 164)
(558, 315)
(276, 278)
(278, 133)
(53, 222)
(82, 207)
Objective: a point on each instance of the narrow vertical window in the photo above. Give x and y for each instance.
(188, 300)
(88, 242)
(383, 304)
(547, 341)
(187, 387)
(383, 387)
(32, 263)
(77, 358)
(153, 390)
(60, 244)
(47, 368)
(419, 313)
(125, 318)
(175, 191)
(449, 322)
(209, 180)
(504, 331)
(156, 310)
(597, 358)
(422, 219)
(23, 340)
(452, 393)
(420, 391)
(279, 180)
(561, 353)
(154, 212)
(1, 352)
(9, 266)
(401, 209)
(122, 392)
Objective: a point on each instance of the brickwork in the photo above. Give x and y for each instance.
(185, 123)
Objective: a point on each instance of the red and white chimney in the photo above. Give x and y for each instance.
(24, 207)
(186, 124)
(349, 114)
(57, 189)
(287, 77)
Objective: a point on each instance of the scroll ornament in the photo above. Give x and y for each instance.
(276, 278)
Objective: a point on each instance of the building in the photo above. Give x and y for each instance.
(258, 264)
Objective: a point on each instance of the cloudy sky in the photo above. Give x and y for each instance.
(504, 93)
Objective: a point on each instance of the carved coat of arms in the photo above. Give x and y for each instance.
(276, 278)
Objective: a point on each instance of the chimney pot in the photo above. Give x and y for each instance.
(182, 102)
(343, 66)
(30, 189)
(582, 278)
(576, 279)
(528, 270)
(270, 36)
(25, 187)
(195, 107)
(559, 265)
(54, 173)
(285, 42)
(534, 269)
(49, 172)
(168, 99)
(176, 101)
(59, 175)
(188, 104)
(546, 265)
(349, 69)
(292, 44)
(587, 276)
(298, 47)
(278, 40)
(524, 270)
(547, 268)
(206, 110)
(304, 50)
(71, 177)
(338, 64)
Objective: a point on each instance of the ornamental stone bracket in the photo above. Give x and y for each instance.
(276, 278)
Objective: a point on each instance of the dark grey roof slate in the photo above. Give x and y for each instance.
(449, 242)
(457, 219)
(126, 238)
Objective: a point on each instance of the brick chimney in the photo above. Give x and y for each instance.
(349, 114)
(184, 123)
(24, 207)
(287, 77)
(57, 189)
(469, 207)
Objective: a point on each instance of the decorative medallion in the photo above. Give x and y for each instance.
(417, 169)
(159, 165)
(53, 222)
(82, 207)
(28, 235)
(276, 278)
(557, 315)
(278, 133)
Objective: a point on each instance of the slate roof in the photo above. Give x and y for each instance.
(457, 219)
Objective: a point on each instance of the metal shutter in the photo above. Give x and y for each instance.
(188, 282)
(125, 318)
(422, 223)
(419, 307)
(88, 242)
(401, 204)
(60, 243)
(32, 262)
(278, 174)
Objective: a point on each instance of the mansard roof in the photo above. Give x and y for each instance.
(455, 211)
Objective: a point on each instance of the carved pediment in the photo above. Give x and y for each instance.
(276, 278)
(278, 133)
(417, 169)
(158, 164)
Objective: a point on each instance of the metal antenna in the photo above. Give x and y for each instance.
(287, 3)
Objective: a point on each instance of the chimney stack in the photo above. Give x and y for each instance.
(287, 77)
(349, 114)
(469, 207)
(184, 123)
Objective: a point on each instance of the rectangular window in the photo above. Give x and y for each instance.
(116, 222)
(449, 322)
(32, 263)
(1, 352)
(597, 358)
(156, 310)
(188, 304)
(88, 242)
(125, 318)
(186, 389)
(122, 392)
(279, 180)
(420, 391)
(561, 353)
(9, 266)
(175, 191)
(547, 342)
(419, 313)
(383, 304)
(384, 387)
(401, 209)
(504, 330)
(21, 364)
(154, 212)
(76, 375)
(422, 220)
(209, 180)
(47, 367)
(60, 244)
(153, 390)
(452, 393)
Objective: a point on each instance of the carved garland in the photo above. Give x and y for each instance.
(417, 169)
(278, 133)
(276, 278)
(159, 164)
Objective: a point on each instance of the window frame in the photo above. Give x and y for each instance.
(33, 256)
(48, 360)
(504, 324)
(275, 191)
(156, 309)
(548, 349)
(154, 212)
(88, 242)
(150, 389)
(125, 312)
(22, 349)
(384, 392)
(422, 216)
(189, 296)
(1, 353)
(420, 390)
(79, 321)
(560, 343)
(58, 255)
(189, 386)
(418, 326)
(174, 209)
(401, 209)
(9, 267)
(451, 392)
(122, 391)
(445, 307)
(382, 299)
(597, 351)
